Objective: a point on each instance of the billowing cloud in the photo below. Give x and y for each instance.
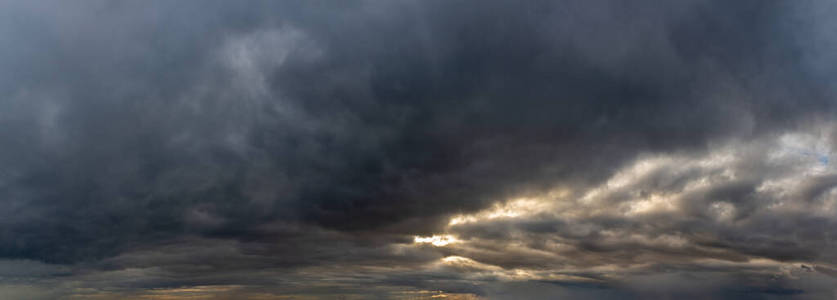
(405, 149)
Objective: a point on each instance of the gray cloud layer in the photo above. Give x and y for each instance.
(259, 149)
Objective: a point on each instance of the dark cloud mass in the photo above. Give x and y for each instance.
(417, 149)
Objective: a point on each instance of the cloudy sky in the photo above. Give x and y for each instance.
(418, 149)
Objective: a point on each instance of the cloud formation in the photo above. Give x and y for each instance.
(405, 149)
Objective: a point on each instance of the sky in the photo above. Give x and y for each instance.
(404, 149)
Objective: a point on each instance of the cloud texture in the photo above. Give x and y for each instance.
(412, 149)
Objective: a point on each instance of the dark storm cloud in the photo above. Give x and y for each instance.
(298, 135)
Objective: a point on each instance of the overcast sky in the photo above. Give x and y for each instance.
(414, 149)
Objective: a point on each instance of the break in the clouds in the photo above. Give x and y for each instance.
(418, 149)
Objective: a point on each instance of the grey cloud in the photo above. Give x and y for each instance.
(196, 142)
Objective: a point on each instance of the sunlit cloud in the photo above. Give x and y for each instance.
(418, 150)
(515, 208)
(436, 240)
